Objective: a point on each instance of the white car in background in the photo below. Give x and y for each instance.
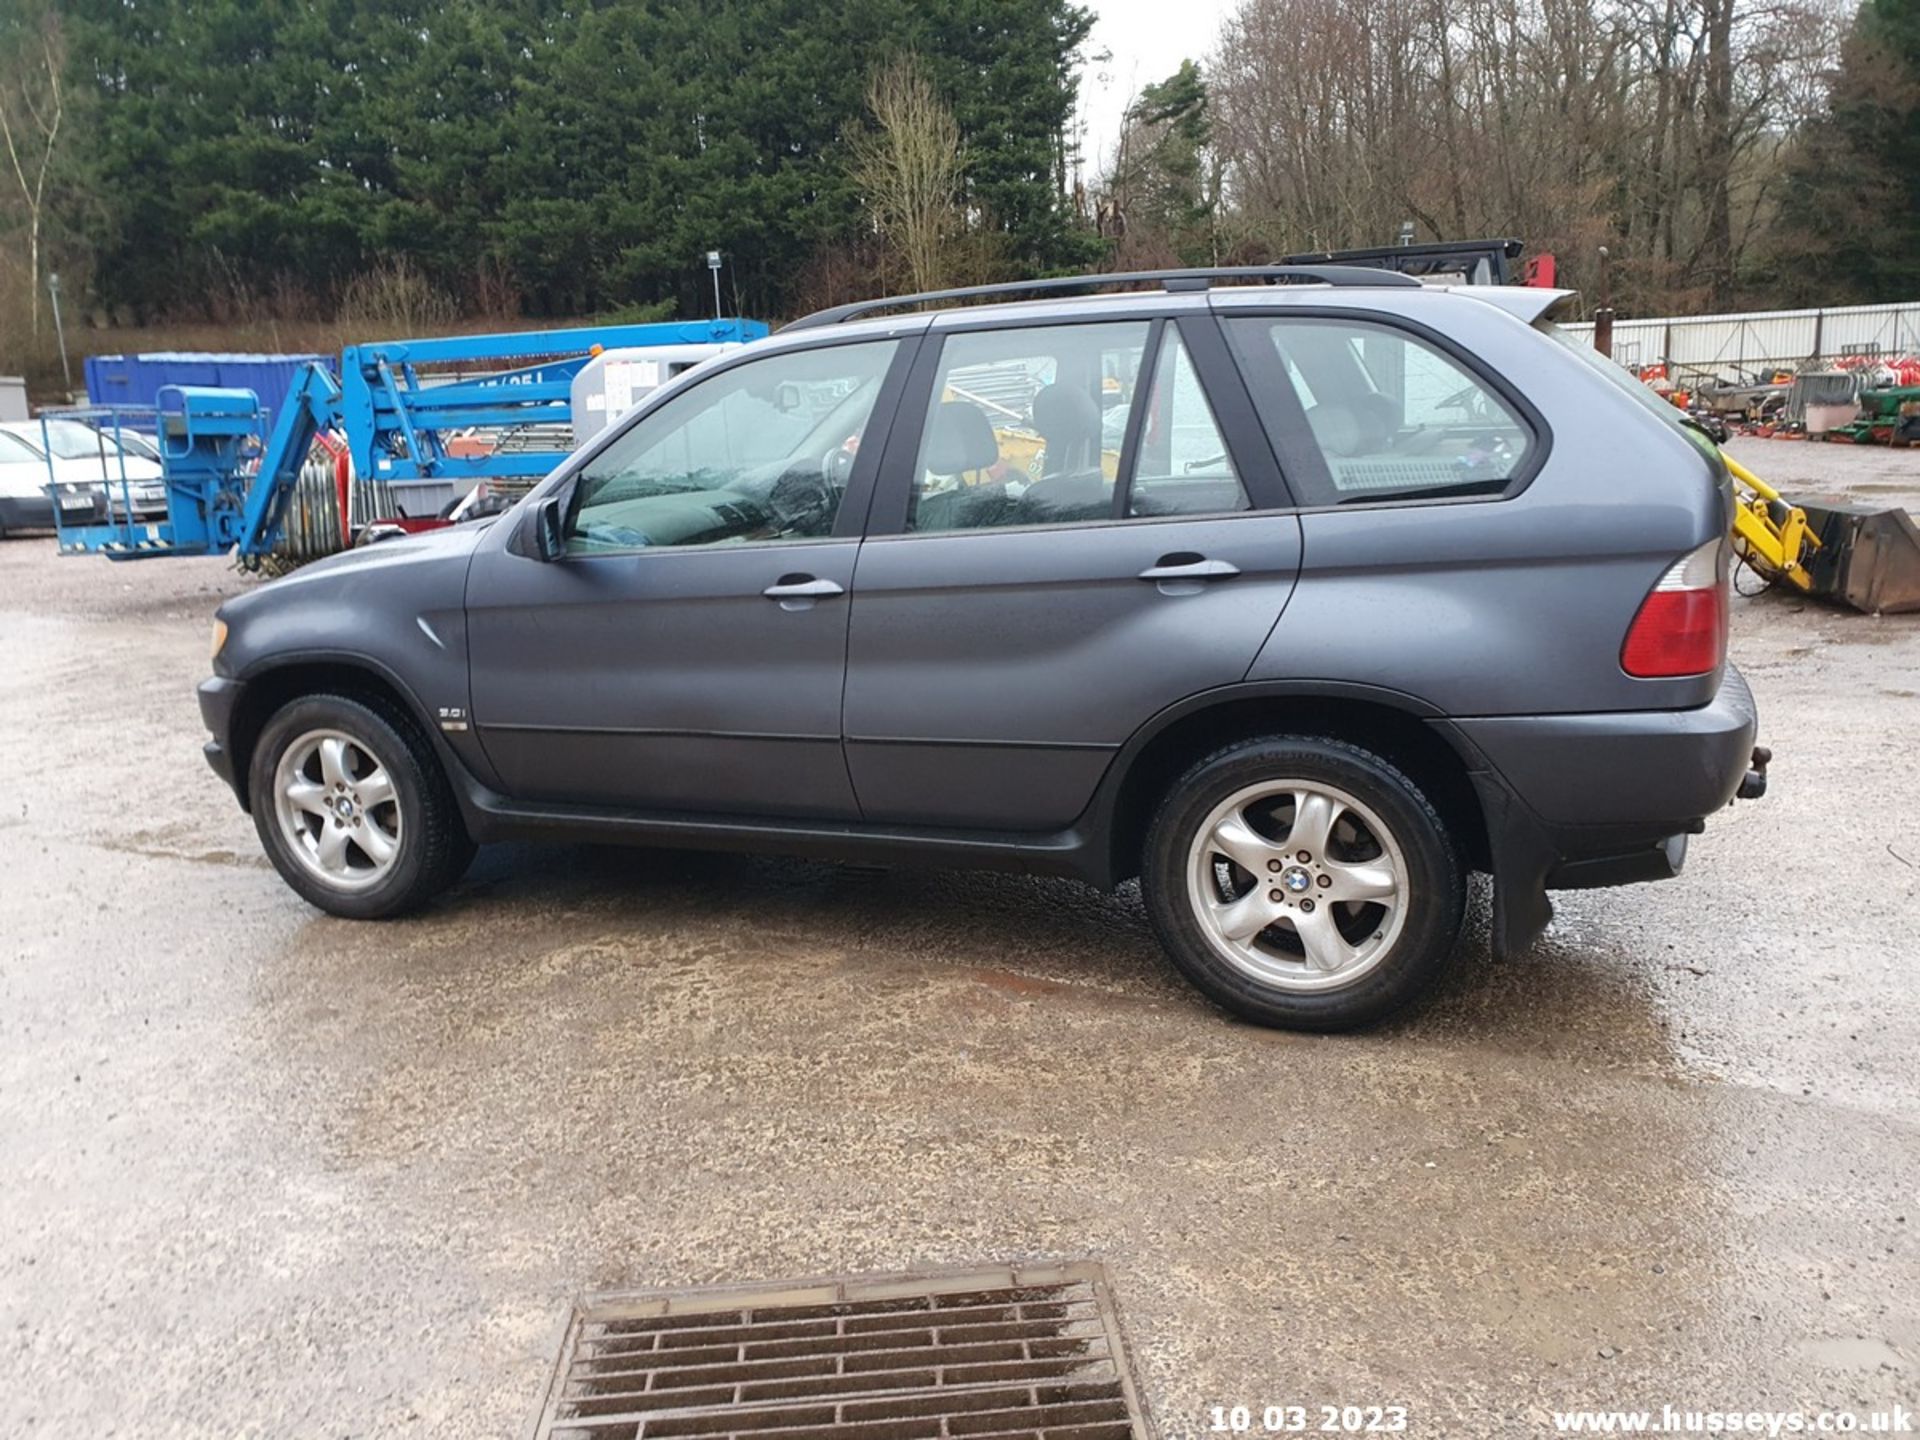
(25, 503)
(82, 453)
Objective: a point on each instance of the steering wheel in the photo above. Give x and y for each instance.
(836, 469)
(803, 501)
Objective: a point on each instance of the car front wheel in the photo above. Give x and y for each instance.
(1303, 882)
(353, 808)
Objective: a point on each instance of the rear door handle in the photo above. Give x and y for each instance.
(1189, 567)
(798, 592)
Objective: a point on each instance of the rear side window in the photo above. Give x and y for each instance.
(1026, 426)
(1184, 468)
(1392, 416)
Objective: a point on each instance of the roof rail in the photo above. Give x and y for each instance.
(1171, 280)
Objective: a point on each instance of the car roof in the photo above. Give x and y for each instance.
(1387, 292)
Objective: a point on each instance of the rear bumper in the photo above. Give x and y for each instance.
(1575, 802)
(1656, 770)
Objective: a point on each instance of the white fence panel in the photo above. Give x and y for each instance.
(1735, 343)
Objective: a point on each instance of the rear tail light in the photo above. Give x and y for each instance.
(1681, 628)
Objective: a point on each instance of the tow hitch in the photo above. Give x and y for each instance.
(1754, 783)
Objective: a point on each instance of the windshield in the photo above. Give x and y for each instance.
(73, 440)
(29, 439)
(1630, 384)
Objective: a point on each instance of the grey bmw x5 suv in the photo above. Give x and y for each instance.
(1297, 593)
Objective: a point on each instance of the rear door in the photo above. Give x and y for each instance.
(1077, 525)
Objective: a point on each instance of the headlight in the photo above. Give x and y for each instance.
(219, 639)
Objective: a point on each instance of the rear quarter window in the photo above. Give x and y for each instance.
(1389, 415)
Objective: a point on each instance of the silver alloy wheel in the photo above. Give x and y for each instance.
(337, 810)
(1297, 884)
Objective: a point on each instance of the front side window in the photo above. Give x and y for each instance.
(15, 451)
(1026, 426)
(758, 453)
(1393, 417)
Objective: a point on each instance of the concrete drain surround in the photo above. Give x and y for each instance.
(1029, 1351)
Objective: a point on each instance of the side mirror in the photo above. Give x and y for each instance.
(550, 529)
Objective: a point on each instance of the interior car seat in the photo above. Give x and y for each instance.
(960, 441)
(1071, 480)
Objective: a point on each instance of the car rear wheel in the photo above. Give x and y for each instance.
(353, 808)
(1303, 882)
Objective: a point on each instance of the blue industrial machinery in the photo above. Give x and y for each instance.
(399, 412)
(206, 438)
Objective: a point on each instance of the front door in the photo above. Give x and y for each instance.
(688, 651)
(1083, 533)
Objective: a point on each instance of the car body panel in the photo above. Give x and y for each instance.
(664, 679)
(1658, 769)
(1514, 604)
(395, 610)
(992, 674)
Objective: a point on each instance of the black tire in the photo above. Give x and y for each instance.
(434, 848)
(1434, 884)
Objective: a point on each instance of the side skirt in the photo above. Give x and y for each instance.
(491, 818)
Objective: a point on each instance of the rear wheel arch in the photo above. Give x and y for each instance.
(1395, 726)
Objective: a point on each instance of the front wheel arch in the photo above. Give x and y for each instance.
(268, 691)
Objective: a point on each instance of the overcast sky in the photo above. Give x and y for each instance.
(1149, 39)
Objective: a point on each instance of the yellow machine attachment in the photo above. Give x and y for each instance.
(1770, 533)
(1866, 555)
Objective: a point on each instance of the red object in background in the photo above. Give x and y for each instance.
(342, 478)
(1541, 270)
(1900, 369)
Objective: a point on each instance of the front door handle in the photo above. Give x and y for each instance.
(1189, 567)
(798, 592)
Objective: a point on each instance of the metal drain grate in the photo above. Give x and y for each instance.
(984, 1354)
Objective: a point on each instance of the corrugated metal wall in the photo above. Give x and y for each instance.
(1737, 343)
